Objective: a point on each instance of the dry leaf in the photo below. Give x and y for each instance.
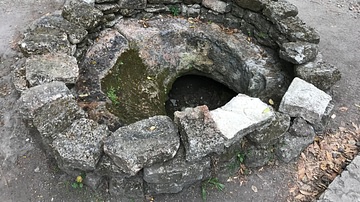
(343, 109)
(254, 188)
(306, 193)
(299, 197)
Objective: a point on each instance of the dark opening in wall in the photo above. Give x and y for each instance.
(194, 90)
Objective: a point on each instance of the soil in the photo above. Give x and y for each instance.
(27, 175)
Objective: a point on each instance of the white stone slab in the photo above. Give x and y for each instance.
(241, 115)
(302, 99)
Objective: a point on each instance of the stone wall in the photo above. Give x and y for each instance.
(158, 155)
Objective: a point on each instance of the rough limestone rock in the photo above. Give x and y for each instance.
(80, 145)
(199, 133)
(49, 108)
(51, 67)
(319, 73)
(132, 4)
(300, 135)
(108, 8)
(172, 176)
(191, 10)
(143, 143)
(298, 52)
(93, 180)
(50, 42)
(241, 116)
(278, 10)
(82, 14)
(268, 135)
(257, 157)
(217, 5)
(108, 168)
(100, 58)
(254, 5)
(305, 100)
(296, 30)
(127, 189)
(54, 21)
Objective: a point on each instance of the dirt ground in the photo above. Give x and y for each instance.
(27, 175)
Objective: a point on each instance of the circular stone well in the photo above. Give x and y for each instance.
(115, 65)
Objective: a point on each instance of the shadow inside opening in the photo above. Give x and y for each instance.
(195, 90)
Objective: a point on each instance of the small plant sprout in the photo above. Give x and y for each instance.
(175, 11)
(214, 182)
(111, 94)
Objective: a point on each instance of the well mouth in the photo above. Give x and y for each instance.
(194, 90)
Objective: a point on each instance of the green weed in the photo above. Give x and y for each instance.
(214, 182)
(175, 11)
(111, 94)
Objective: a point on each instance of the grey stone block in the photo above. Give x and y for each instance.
(322, 74)
(305, 100)
(172, 176)
(51, 67)
(80, 145)
(199, 133)
(300, 135)
(278, 10)
(268, 135)
(298, 52)
(143, 144)
(217, 6)
(82, 14)
(241, 116)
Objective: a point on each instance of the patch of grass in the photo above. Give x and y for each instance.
(175, 11)
(214, 182)
(111, 94)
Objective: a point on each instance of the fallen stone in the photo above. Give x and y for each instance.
(80, 145)
(306, 101)
(42, 69)
(321, 74)
(296, 30)
(298, 52)
(143, 144)
(300, 135)
(172, 176)
(278, 10)
(199, 133)
(241, 116)
(268, 135)
(51, 42)
(54, 20)
(217, 5)
(82, 14)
